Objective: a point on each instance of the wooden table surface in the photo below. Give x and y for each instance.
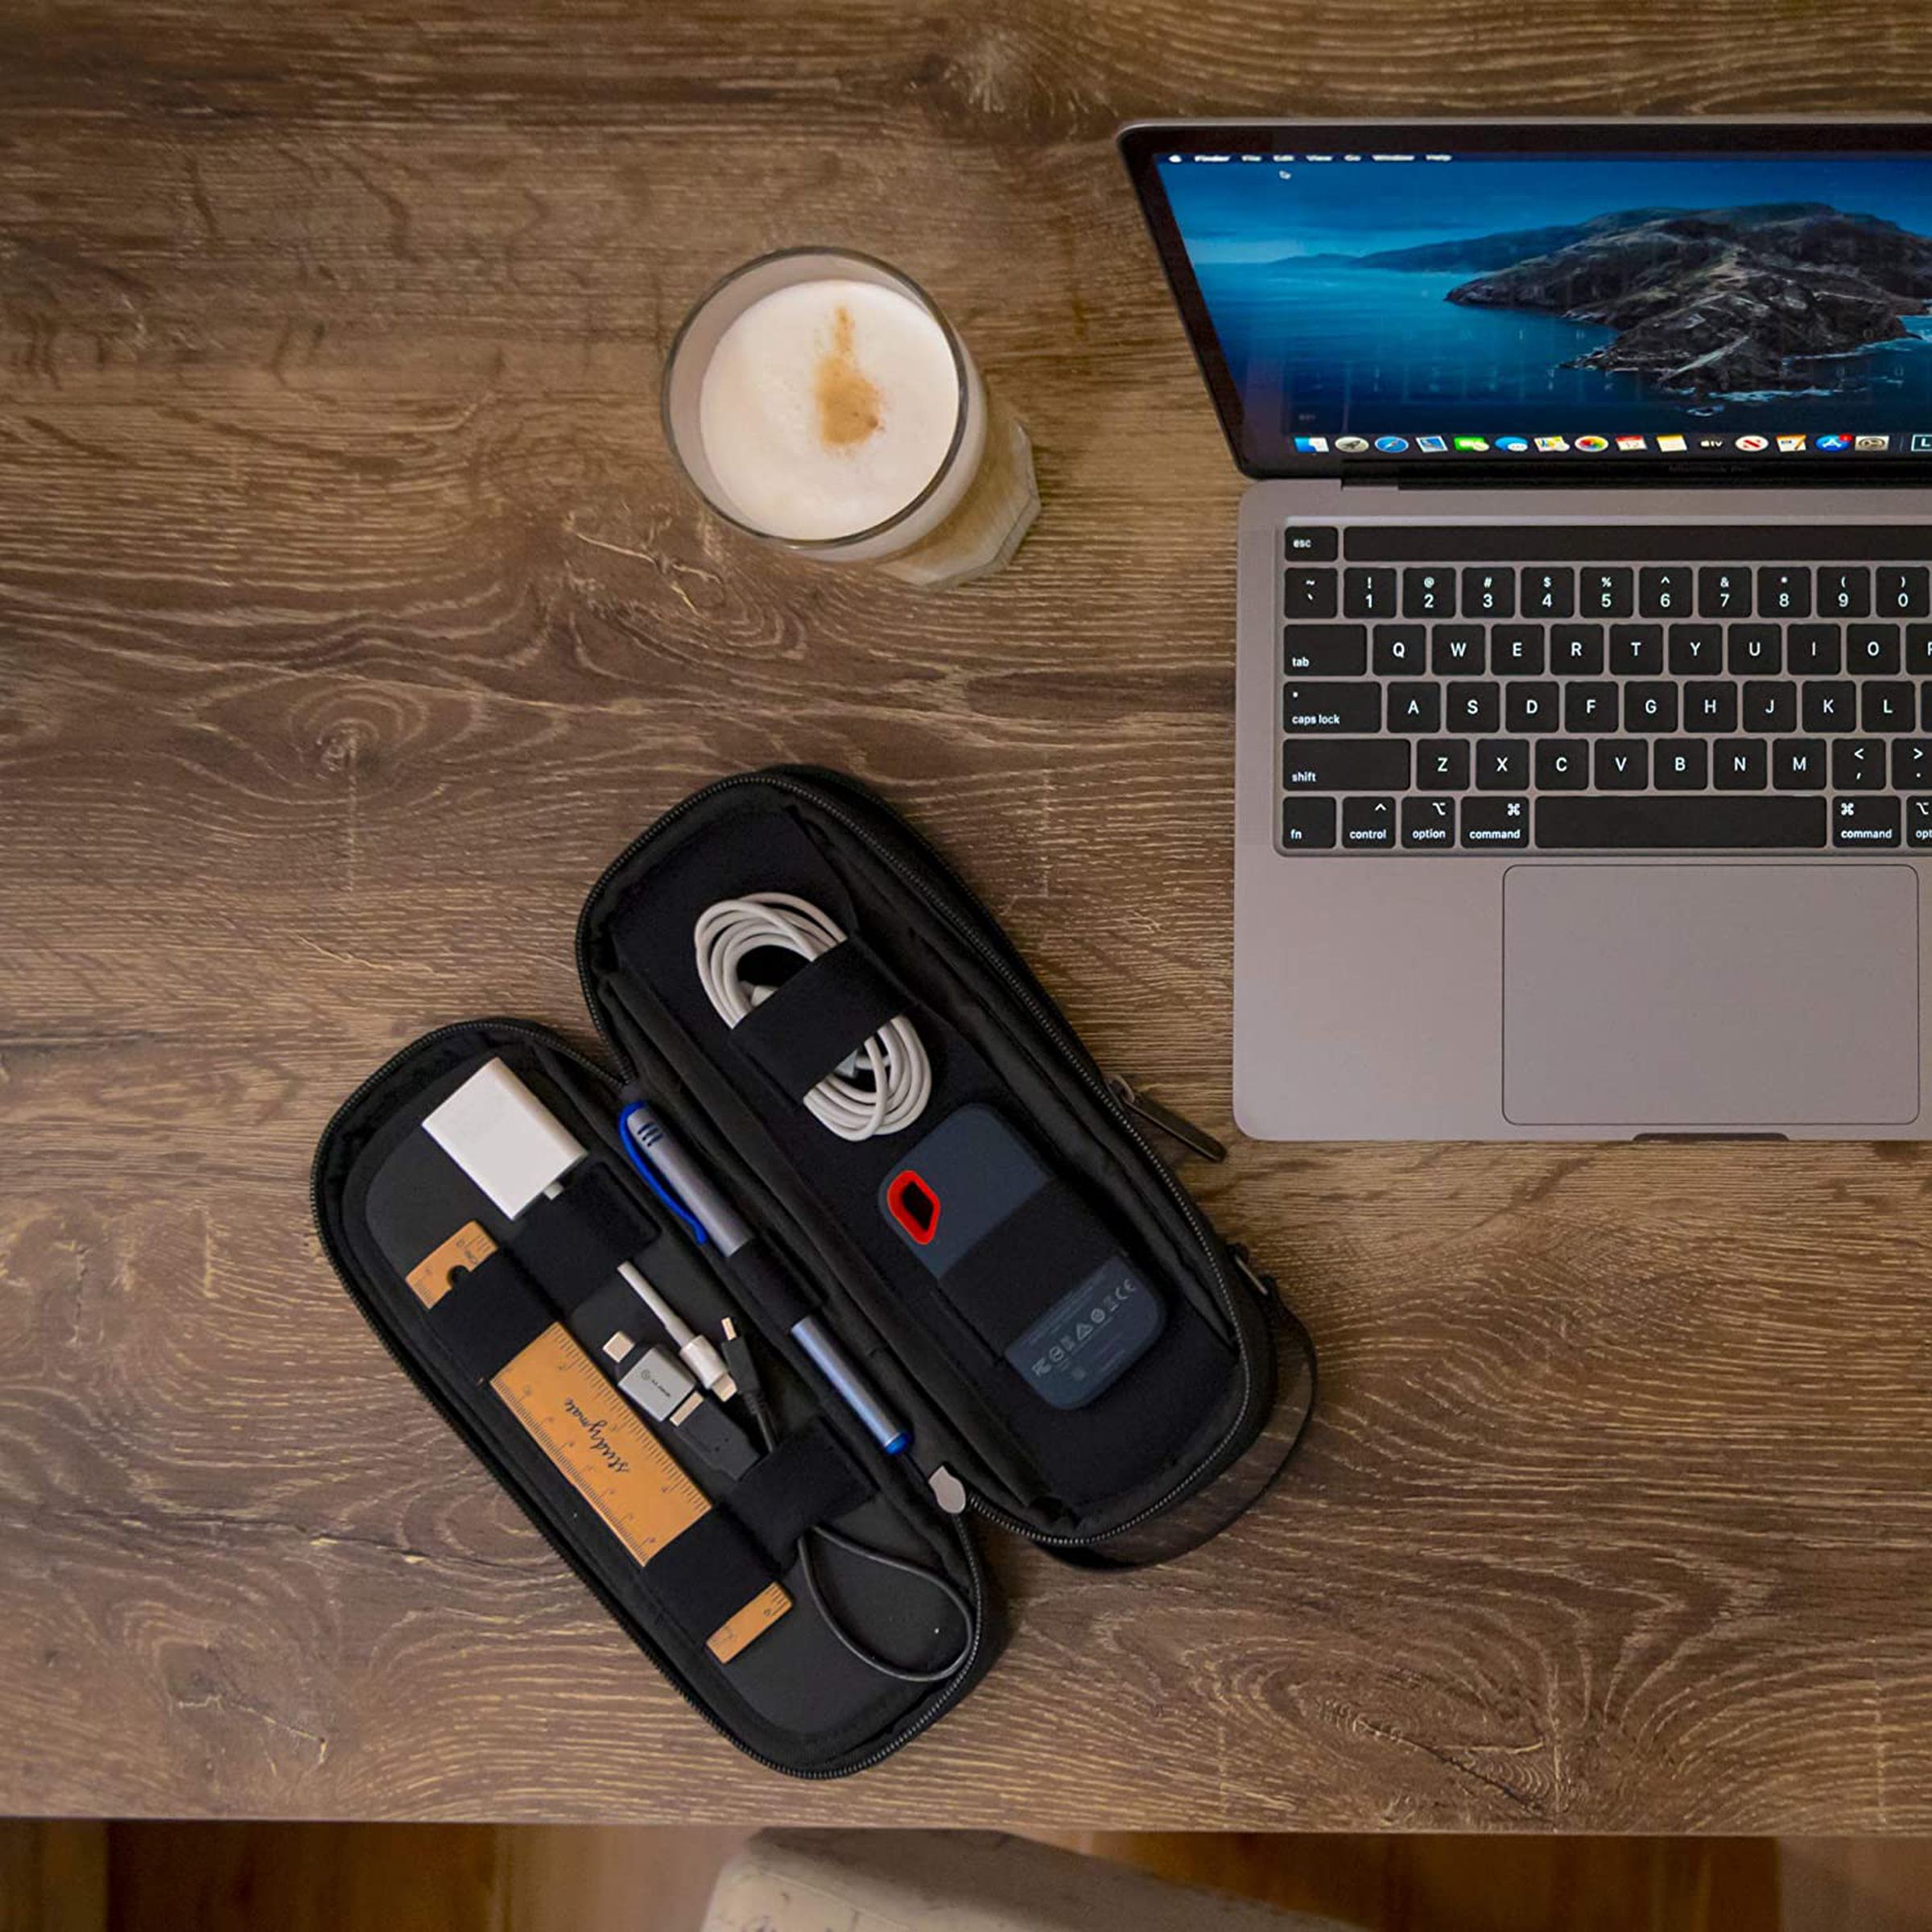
(352, 618)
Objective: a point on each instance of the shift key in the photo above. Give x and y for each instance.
(1345, 765)
(1325, 650)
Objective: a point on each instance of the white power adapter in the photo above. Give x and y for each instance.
(504, 1138)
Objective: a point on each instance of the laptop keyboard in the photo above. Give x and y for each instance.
(1597, 687)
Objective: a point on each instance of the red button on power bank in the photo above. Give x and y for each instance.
(913, 1205)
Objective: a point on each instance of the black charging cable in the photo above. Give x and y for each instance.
(737, 1353)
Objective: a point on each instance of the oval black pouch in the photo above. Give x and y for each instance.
(1076, 1352)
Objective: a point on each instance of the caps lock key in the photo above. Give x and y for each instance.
(1332, 708)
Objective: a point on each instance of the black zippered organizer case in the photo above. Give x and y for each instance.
(819, 1601)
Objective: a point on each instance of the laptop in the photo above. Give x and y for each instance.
(1584, 771)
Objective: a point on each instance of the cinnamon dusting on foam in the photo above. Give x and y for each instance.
(850, 406)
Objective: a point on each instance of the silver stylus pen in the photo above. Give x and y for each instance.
(720, 1223)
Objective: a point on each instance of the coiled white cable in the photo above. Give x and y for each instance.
(901, 1081)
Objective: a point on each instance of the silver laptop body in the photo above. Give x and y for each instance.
(1727, 942)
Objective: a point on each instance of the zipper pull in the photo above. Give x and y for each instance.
(1176, 1126)
(1245, 1266)
(949, 1491)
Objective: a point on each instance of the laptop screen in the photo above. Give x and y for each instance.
(1384, 299)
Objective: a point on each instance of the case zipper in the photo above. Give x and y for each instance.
(949, 1694)
(1192, 1138)
(1004, 961)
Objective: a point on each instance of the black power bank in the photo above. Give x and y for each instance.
(1021, 1257)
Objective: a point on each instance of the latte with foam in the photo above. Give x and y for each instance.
(819, 399)
(827, 407)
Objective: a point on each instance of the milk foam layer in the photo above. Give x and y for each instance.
(827, 407)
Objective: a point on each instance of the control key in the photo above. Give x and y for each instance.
(1368, 824)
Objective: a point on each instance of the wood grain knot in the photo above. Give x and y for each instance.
(347, 734)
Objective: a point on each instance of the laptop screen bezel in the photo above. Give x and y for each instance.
(1142, 142)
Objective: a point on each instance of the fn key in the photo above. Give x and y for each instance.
(1308, 825)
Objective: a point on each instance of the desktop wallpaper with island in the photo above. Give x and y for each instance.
(1531, 295)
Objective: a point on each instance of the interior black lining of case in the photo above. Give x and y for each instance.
(818, 1017)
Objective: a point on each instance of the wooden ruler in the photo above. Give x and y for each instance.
(597, 1440)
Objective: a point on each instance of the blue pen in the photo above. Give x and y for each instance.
(687, 1192)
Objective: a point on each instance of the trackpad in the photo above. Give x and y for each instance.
(1711, 995)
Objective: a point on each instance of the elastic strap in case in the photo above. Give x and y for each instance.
(490, 1316)
(1004, 1282)
(706, 1574)
(571, 1244)
(808, 1479)
(820, 1016)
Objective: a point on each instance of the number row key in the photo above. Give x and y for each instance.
(1613, 590)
